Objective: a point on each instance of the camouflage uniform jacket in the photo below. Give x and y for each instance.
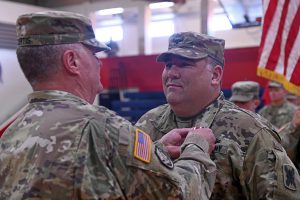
(62, 147)
(251, 163)
(290, 136)
(278, 115)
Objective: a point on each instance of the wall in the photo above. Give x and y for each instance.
(14, 88)
(144, 73)
(9, 11)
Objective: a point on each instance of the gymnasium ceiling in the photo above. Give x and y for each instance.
(241, 13)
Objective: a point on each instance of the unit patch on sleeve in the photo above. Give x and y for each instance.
(289, 177)
(142, 146)
(163, 158)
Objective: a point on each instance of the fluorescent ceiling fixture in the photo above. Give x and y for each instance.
(162, 17)
(111, 22)
(111, 11)
(218, 10)
(161, 5)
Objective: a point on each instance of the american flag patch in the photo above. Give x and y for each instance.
(142, 146)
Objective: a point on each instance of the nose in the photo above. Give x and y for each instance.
(173, 72)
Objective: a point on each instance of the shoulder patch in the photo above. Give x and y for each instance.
(163, 158)
(142, 146)
(289, 177)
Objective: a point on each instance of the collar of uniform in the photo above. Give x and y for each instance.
(166, 120)
(53, 95)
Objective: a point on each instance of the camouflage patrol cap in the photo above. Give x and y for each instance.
(56, 27)
(275, 84)
(244, 91)
(194, 46)
(291, 96)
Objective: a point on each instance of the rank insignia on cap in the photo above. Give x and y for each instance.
(142, 146)
(163, 158)
(289, 177)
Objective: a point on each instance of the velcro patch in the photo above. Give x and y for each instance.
(289, 177)
(142, 146)
(163, 158)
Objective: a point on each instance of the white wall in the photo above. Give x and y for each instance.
(14, 88)
(9, 11)
(239, 38)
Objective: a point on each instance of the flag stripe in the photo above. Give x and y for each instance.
(271, 34)
(296, 74)
(267, 22)
(280, 43)
(293, 58)
(292, 36)
(275, 52)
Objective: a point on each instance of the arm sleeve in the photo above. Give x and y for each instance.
(290, 136)
(268, 173)
(191, 176)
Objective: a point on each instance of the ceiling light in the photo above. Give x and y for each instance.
(161, 5)
(111, 11)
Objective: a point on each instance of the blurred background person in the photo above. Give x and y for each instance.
(245, 94)
(279, 111)
(293, 98)
(114, 48)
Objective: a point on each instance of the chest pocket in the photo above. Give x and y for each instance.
(229, 158)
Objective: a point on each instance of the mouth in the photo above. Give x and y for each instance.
(172, 85)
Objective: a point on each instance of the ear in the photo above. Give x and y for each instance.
(70, 61)
(256, 102)
(217, 75)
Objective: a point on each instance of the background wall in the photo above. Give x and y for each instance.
(136, 72)
(13, 88)
(144, 73)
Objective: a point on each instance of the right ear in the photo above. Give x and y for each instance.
(70, 61)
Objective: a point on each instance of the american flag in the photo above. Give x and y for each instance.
(280, 43)
(142, 147)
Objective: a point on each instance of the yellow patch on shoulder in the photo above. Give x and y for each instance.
(142, 146)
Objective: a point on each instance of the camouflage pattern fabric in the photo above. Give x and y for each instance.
(193, 45)
(62, 147)
(290, 136)
(251, 163)
(56, 27)
(278, 115)
(244, 91)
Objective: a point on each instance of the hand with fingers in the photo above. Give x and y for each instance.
(175, 138)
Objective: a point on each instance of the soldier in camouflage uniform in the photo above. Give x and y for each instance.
(251, 163)
(280, 111)
(293, 98)
(245, 94)
(63, 147)
(290, 134)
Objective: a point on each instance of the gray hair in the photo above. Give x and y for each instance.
(39, 63)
